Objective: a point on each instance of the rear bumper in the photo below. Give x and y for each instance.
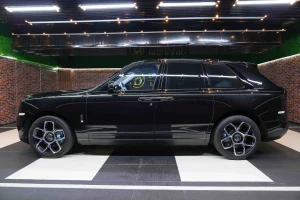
(277, 132)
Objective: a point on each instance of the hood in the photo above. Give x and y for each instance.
(58, 93)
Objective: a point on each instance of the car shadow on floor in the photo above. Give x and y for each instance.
(148, 150)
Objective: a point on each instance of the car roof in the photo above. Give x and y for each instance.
(184, 60)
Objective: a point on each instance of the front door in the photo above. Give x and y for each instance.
(186, 109)
(126, 114)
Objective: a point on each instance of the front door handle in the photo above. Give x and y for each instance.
(156, 98)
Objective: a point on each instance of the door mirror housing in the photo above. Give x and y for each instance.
(113, 88)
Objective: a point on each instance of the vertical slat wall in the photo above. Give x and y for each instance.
(65, 79)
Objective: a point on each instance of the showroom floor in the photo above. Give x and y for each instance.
(151, 172)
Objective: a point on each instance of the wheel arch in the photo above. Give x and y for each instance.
(49, 113)
(245, 113)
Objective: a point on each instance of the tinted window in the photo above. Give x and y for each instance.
(253, 76)
(220, 76)
(141, 77)
(185, 76)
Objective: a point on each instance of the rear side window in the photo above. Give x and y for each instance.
(220, 76)
(253, 76)
(185, 76)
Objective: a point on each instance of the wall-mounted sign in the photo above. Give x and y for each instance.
(158, 51)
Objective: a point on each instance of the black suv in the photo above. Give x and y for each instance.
(171, 101)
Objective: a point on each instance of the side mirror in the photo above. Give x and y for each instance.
(113, 88)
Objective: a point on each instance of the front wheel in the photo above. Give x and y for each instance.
(237, 137)
(50, 137)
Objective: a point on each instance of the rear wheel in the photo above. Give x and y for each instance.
(237, 137)
(50, 137)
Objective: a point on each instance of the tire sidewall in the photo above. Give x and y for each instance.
(69, 138)
(219, 130)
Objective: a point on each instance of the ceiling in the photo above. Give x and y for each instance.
(278, 17)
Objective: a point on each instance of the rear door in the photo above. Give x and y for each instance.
(186, 108)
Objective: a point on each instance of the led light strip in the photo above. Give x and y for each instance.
(31, 8)
(279, 59)
(204, 40)
(141, 19)
(154, 32)
(107, 6)
(181, 40)
(187, 4)
(269, 2)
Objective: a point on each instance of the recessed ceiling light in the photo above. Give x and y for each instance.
(31, 8)
(107, 6)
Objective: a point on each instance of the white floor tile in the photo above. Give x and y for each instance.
(68, 167)
(9, 137)
(206, 168)
(291, 140)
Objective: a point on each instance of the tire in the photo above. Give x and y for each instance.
(231, 139)
(50, 137)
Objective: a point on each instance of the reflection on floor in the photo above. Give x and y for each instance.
(149, 172)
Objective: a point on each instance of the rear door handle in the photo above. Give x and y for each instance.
(146, 98)
(166, 98)
(156, 98)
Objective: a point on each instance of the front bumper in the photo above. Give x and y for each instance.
(23, 137)
(21, 129)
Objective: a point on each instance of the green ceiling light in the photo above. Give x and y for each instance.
(8, 57)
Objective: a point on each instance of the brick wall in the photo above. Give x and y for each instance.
(7, 91)
(87, 78)
(285, 72)
(17, 80)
